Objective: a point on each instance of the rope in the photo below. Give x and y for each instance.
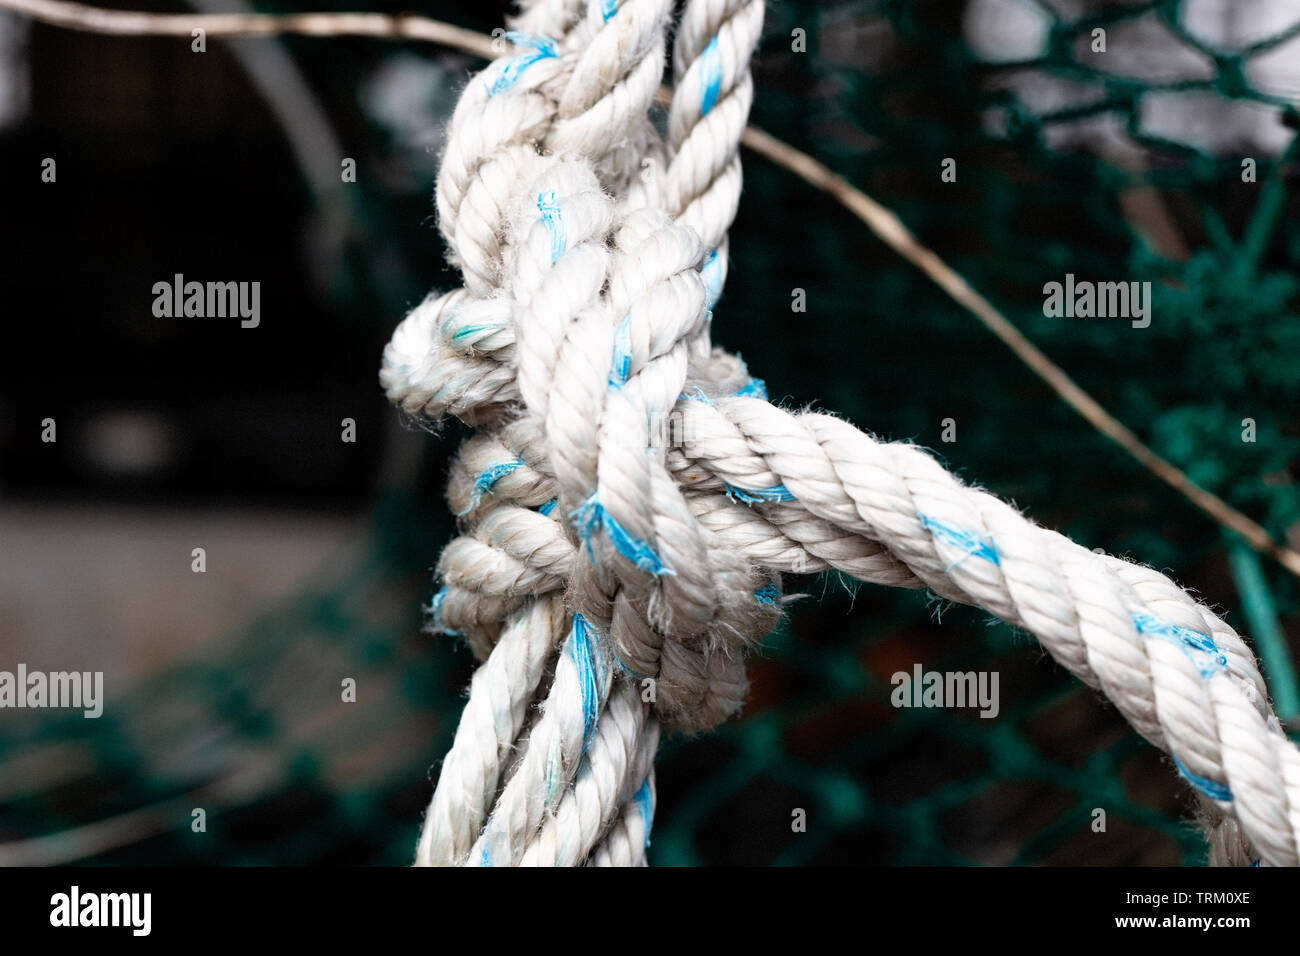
(631, 497)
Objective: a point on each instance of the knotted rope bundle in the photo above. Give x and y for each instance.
(631, 497)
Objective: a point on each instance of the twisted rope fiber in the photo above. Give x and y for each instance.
(631, 497)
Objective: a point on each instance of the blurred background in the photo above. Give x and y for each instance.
(223, 688)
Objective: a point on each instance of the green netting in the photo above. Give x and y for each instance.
(884, 93)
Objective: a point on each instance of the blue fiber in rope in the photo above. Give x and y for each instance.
(621, 366)
(593, 516)
(548, 507)
(757, 388)
(607, 10)
(554, 222)
(645, 801)
(1199, 648)
(435, 613)
(534, 41)
(543, 48)
(768, 594)
(471, 330)
(711, 273)
(484, 482)
(961, 538)
(584, 649)
(711, 63)
(753, 496)
(1211, 788)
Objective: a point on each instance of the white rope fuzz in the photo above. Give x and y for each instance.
(631, 497)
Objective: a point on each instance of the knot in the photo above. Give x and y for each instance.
(582, 331)
(583, 323)
(593, 578)
(601, 326)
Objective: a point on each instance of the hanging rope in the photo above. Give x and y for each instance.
(631, 497)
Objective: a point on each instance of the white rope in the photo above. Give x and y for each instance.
(631, 497)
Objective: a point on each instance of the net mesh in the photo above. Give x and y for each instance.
(1122, 165)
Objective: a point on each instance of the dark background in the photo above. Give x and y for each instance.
(182, 433)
